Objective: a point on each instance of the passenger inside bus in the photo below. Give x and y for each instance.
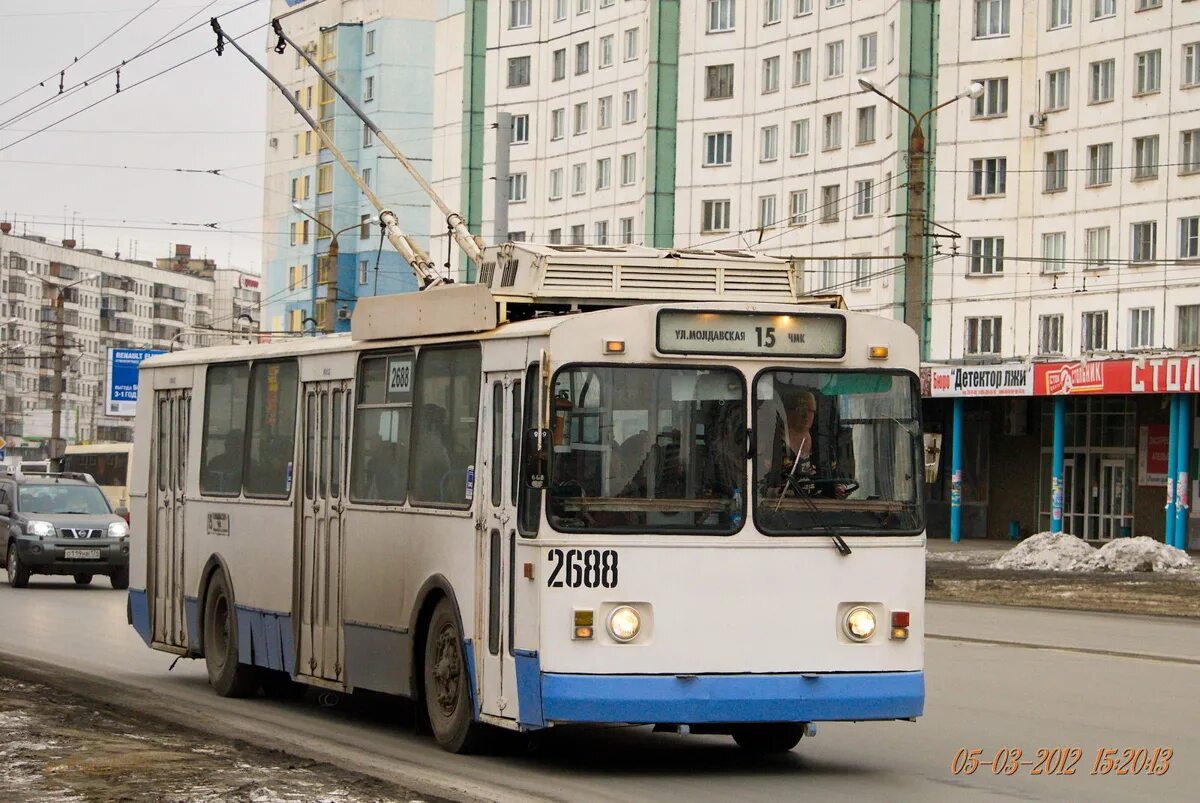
(223, 472)
(803, 457)
(432, 480)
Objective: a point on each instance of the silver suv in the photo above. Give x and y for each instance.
(61, 524)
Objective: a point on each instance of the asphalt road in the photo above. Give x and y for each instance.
(997, 678)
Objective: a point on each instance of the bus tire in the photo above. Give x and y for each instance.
(18, 573)
(768, 738)
(120, 579)
(447, 684)
(228, 677)
(82, 579)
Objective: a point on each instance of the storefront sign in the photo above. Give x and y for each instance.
(1153, 448)
(979, 380)
(1143, 375)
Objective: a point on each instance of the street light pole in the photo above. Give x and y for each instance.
(331, 256)
(914, 240)
(57, 448)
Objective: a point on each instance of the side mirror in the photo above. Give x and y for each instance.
(5, 509)
(533, 458)
(123, 512)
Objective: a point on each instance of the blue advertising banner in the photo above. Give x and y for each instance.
(122, 385)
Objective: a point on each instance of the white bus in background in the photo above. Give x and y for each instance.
(109, 465)
(564, 518)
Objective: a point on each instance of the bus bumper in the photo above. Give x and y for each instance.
(695, 699)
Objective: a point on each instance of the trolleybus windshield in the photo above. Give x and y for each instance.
(642, 449)
(837, 452)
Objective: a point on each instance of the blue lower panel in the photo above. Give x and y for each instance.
(731, 698)
(139, 612)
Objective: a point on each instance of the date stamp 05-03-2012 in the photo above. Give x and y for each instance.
(1063, 761)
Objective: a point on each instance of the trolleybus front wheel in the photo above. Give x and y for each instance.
(447, 685)
(768, 738)
(225, 674)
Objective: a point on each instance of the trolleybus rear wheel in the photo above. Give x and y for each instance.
(767, 738)
(225, 674)
(447, 685)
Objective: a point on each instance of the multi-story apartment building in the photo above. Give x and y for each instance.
(237, 303)
(381, 53)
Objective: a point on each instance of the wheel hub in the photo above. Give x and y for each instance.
(446, 671)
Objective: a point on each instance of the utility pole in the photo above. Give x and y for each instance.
(331, 285)
(503, 142)
(57, 448)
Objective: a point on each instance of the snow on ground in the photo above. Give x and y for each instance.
(1065, 553)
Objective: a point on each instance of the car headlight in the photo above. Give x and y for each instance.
(624, 623)
(118, 529)
(860, 623)
(43, 529)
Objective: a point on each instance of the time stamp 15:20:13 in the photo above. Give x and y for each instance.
(1064, 761)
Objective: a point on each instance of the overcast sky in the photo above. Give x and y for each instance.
(208, 114)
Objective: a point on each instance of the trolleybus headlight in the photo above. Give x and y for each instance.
(118, 529)
(624, 623)
(860, 623)
(42, 529)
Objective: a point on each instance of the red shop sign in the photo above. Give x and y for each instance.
(1144, 375)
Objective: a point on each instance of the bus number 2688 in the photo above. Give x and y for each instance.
(589, 568)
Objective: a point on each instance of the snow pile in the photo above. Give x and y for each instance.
(1141, 554)
(1055, 552)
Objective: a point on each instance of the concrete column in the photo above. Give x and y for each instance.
(1172, 456)
(956, 461)
(1056, 480)
(1182, 486)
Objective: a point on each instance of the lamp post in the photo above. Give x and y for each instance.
(914, 246)
(331, 256)
(57, 447)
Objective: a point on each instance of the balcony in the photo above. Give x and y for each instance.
(166, 313)
(67, 273)
(16, 286)
(115, 325)
(166, 292)
(121, 283)
(112, 304)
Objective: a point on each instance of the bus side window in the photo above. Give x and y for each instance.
(272, 432)
(446, 426)
(529, 504)
(382, 423)
(222, 457)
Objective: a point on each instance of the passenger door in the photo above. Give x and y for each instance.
(166, 536)
(319, 549)
(502, 433)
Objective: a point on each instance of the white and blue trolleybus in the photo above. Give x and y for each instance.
(598, 485)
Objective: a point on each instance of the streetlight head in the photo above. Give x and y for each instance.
(297, 207)
(974, 91)
(867, 86)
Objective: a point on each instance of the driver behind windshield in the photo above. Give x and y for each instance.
(802, 461)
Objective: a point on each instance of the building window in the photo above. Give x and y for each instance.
(582, 55)
(864, 197)
(987, 256)
(604, 113)
(1189, 151)
(1145, 241)
(581, 118)
(772, 11)
(1145, 157)
(989, 177)
(556, 184)
(577, 234)
(1189, 237)
(766, 211)
(831, 196)
(517, 187)
(628, 169)
(520, 13)
(769, 139)
(516, 237)
(887, 192)
(862, 272)
(1187, 334)
(631, 44)
(324, 179)
(603, 174)
(520, 129)
(1104, 8)
(364, 227)
(1191, 65)
(831, 131)
(866, 125)
(1148, 72)
(834, 3)
(629, 106)
(982, 336)
(518, 71)
(994, 100)
(1141, 327)
(834, 53)
(1056, 171)
(1058, 89)
(829, 274)
(1099, 171)
(867, 52)
(555, 236)
(606, 52)
(369, 47)
(1096, 246)
(558, 123)
(558, 64)
(720, 15)
(798, 207)
(991, 18)
(803, 7)
(369, 88)
(367, 139)
(1050, 334)
(601, 229)
(799, 137)
(718, 149)
(1145, 5)
(1103, 78)
(1094, 331)
(560, 10)
(714, 216)
(802, 67)
(718, 82)
(625, 229)
(578, 178)
(770, 75)
(366, 176)
(363, 265)
(583, 6)
(1060, 13)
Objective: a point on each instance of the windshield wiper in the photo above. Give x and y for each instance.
(842, 547)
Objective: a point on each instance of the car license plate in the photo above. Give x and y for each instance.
(81, 554)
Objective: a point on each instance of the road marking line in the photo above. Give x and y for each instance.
(1173, 659)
